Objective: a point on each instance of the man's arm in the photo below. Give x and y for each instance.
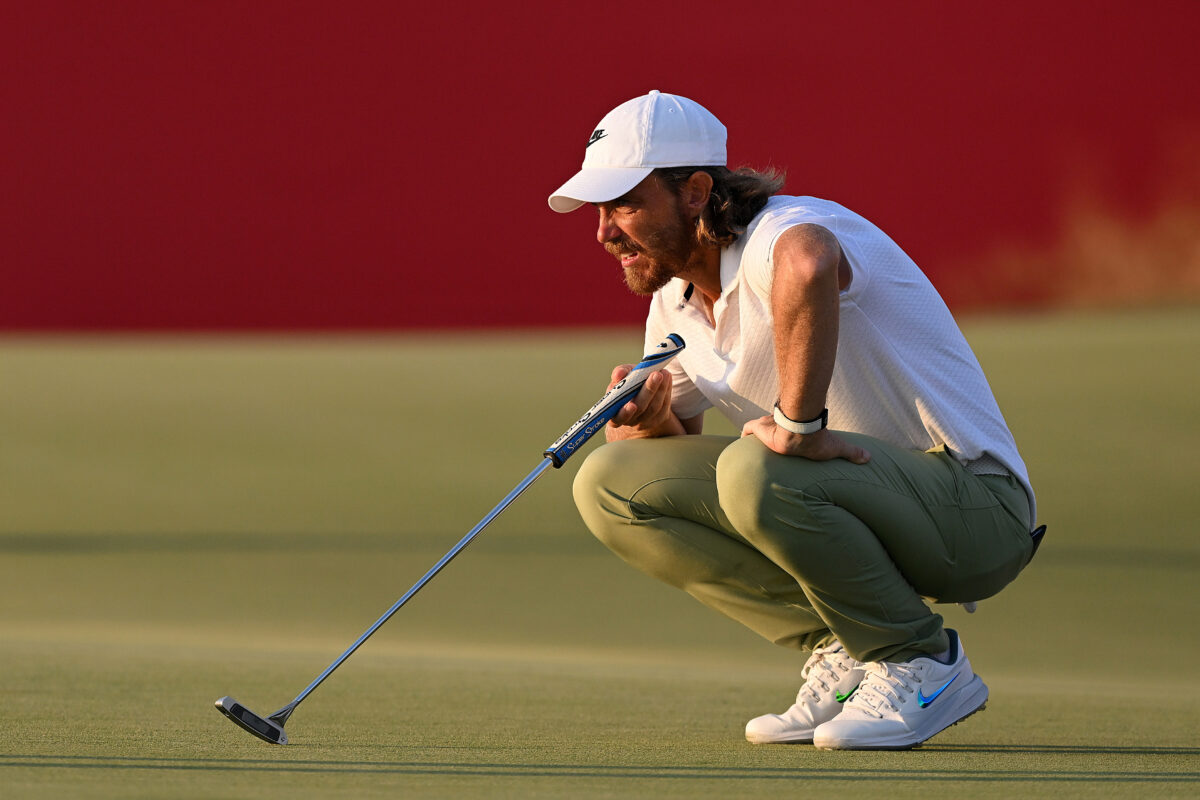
(649, 415)
(810, 270)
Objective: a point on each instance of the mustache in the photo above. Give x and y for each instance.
(617, 247)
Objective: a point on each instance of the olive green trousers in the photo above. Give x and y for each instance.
(803, 552)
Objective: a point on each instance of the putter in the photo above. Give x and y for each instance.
(270, 729)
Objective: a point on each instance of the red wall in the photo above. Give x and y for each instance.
(298, 165)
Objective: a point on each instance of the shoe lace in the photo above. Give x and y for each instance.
(883, 685)
(822, 670)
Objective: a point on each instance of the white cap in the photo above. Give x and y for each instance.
(635, 138)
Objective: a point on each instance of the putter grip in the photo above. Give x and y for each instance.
(613, 400)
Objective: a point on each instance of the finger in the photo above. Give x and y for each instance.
(860, 456)
(851, 452)
(618, 373)
(647, 402)
(626, 414)
(650, 398)
(658, 395)
(752, 427)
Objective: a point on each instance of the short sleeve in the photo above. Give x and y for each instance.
(758, 258)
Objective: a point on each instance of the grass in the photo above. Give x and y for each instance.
(187, 518)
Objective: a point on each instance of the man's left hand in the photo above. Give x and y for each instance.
(824, 445)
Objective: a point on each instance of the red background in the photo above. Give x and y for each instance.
(292, 165)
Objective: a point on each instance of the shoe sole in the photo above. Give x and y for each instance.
(973, 697)
(766, 739)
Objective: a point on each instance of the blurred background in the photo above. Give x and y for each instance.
(287, 166)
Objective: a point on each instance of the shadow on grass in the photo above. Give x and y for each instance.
(1056, 749)
(843, 771)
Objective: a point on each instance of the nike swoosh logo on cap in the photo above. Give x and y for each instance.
(597, 135)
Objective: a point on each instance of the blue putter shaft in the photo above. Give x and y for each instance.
(556, 454)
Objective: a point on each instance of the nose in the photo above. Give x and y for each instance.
(607, 231)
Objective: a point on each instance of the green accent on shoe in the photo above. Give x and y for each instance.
(841, 698)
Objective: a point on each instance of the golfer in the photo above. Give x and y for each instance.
(875, 473)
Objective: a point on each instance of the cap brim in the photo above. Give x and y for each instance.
(597, 185)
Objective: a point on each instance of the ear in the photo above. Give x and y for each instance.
(695, 191)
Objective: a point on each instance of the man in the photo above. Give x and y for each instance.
(801, 319)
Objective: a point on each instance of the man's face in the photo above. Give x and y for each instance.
(647, 231)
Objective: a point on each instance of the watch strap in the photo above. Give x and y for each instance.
(794, 426)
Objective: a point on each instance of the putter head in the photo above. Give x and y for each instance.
(265, 728)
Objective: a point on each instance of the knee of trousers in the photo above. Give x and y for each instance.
(748, 498)
(598, 497)
(604, 493)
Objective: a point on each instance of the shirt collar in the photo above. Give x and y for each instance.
(731, 261)
(685, 290)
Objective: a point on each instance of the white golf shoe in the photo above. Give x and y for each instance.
(900, 705)
(830, 677)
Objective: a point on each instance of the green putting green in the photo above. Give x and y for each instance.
(186, 518)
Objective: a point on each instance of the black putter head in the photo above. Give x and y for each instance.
(264, 728)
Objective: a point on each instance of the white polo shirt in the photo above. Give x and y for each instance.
(904, 372)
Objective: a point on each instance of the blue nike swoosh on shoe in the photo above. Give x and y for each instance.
(923, 701)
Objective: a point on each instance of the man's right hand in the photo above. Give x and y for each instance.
(649, 414)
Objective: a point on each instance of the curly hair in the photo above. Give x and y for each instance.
(736, 198)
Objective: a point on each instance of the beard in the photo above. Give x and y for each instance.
(661, 255)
